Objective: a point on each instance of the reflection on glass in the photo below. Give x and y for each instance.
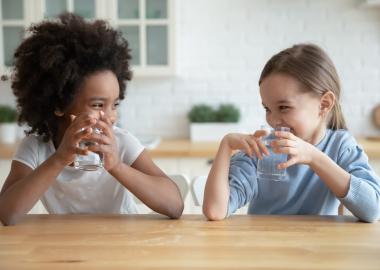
(12, 38)
(156, 9)
(128, 9)
(132, 35)
(157, 45)
(12, 9)
(85, 8)
(55, 7)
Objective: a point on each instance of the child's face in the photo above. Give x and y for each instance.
(99, 92)
(287, 105)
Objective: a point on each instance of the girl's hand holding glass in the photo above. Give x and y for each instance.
(79, 129)
(248, 143)
(105, 143)
(298, 150)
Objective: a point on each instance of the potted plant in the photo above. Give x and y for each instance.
(8, 126)
(209, 124)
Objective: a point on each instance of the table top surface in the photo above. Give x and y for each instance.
(155, 242)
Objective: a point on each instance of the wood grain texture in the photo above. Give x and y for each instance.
(154, 242)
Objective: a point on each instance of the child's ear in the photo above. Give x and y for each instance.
(327, 103)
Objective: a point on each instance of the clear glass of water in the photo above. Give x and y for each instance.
(92, 161)
(267, 167)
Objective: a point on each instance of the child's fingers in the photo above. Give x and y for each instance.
(282, 143)
(80, 123)
(285, 135)
(104, 127)
(253, 145)
(261, 133)
(100, 139)
(105, 118)
(285, 150)
(81, 151)
(247, 148)
(263, 147)
(82, 133)
(99, 148)
(287, 164)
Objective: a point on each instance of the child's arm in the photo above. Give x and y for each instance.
(24, 186)
(359, 184)
(306, 153)
(143, 178)
(148, 183)
(357, 189)
(352, 181)
(217, 190)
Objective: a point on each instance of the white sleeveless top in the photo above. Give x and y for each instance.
(76, 191)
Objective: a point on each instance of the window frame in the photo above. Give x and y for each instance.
(34, 11)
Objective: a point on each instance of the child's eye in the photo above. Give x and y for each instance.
(116, 105)
(266, 109)
(97, 105)
(284, 108)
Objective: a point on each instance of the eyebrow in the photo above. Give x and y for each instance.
(283, 101)
(101, 99)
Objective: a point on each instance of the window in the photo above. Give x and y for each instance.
(146, 24)
(13, 23)
(148, 27)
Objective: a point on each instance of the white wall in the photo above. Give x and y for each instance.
(222, 45)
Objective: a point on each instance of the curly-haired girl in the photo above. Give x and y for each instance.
(69, 78)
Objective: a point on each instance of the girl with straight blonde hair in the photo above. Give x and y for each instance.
(325, 166)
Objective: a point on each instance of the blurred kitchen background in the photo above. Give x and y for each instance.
(189, 52)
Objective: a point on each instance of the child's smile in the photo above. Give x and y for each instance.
(288, 106)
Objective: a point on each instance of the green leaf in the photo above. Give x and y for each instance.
(7, 114)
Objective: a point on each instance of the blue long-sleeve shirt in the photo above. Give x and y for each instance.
(304, 192)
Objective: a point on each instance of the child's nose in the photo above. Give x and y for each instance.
(112, 115)
(276, 120)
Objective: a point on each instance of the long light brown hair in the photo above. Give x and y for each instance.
(312, 67)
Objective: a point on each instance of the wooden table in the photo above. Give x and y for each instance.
(155, 242)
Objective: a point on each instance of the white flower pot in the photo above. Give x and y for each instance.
(8, 133)
(212, 131)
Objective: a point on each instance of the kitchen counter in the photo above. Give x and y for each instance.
(186, 148)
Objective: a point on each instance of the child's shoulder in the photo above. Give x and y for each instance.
(33, 140)
(123, 134)
(32, 150)
(341, 137)
(126, 138)
(129, 146)
(339, 142)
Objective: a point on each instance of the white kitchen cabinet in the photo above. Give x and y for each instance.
(148, 26)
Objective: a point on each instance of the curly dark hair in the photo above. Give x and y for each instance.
(52, 63)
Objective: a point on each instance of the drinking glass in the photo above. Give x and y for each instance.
(92, 161)
(267, 167)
